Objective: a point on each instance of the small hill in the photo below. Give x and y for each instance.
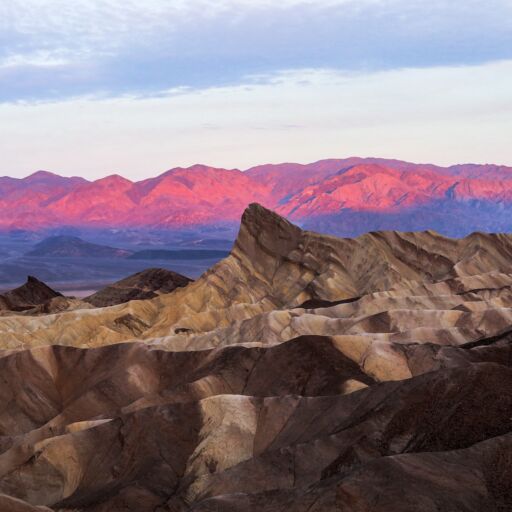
(71, 246)
(32, 293)
(143, 285)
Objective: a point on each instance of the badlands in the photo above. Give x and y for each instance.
(302, 373)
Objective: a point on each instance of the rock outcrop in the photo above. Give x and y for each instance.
(388, 283)
(31, 294)
(143, 285)
(301, 373)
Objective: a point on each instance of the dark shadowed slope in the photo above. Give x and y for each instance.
(142, 285)
(251, 429)
(32, 293)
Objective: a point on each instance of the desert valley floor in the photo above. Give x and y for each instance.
(302, 373)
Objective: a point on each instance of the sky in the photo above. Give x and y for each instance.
(95, 87)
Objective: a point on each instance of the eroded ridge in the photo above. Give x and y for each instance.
(302, 373)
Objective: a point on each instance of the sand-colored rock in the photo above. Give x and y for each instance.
(302, 373)
(276, 266)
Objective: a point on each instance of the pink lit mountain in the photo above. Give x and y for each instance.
(345, 196)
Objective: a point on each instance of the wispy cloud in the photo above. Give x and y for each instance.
(439, 114)
(146, 85)
(53, 49)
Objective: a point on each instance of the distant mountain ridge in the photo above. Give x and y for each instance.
(342, 196)
(74, 247)
(183, 254)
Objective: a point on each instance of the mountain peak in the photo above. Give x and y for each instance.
(42, 174)
(263, 229)
(197, 169)
(72, 246)
(33, 293)
(47, 178)
(146, 284)
(257, 216)
(114, 179)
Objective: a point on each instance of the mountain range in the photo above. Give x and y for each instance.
(74, 247)
(339, 196)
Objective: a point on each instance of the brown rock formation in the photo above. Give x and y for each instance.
(143, 285)
(32, 293)
(302, 373)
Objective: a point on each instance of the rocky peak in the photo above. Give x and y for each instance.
(262, 229)
(33, 293)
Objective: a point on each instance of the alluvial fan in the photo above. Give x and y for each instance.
(301, 373)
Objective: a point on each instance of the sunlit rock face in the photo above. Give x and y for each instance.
(344, 197)
(303, 372)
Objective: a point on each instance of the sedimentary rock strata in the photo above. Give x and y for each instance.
(302, 373)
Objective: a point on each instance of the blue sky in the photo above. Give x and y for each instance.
(147, 85)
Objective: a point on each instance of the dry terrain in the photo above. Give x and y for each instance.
(302, 373)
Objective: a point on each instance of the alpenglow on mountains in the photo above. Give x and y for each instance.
(344, 197)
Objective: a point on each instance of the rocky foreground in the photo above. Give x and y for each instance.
(301, 373)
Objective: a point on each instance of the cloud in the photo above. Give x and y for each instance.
(54, 49)
(439, 114)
